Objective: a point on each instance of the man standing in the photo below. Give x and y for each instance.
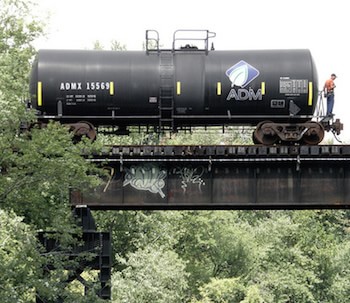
(328, 90)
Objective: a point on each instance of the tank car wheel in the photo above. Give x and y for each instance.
(264, 134)
(83, 128)
(314, 133)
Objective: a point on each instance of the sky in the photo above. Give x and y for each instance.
(321, 26)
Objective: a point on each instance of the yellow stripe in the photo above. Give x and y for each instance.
(111, 88)
(218, 88)
(310, 94)
(263, 88)
(40, 93)
(178, 88)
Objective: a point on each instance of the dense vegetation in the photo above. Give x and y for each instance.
(230, 256)
(188, 256)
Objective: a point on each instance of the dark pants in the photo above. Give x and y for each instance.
(330, 103)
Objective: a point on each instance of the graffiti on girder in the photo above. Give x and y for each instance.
(190, 175)
(148, 177)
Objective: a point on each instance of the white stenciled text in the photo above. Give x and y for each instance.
(70, 86)
(93, 85)
(97, 85)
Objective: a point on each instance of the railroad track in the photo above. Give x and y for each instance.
(228, 152)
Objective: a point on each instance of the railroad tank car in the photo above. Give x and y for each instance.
(276, 90)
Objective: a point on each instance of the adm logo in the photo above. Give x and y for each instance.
(240, 75)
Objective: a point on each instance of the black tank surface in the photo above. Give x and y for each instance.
(186, 86)
(95, 85)
(246, 86)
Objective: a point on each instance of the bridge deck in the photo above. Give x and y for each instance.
(221, 177)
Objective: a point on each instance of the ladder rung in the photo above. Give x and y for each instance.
(166, 95)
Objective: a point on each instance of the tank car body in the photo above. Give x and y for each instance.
(174, 88)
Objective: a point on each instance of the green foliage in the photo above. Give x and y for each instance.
(98, 45)
(115, 46)
(212, 136)
(20, 265)
(229, 290)
(134, 230)
(253, 295)
(19, 27)
(339, 288)
(258, 256)
(38, 171)
(136, 137)
(23, 264)
(216, 244)
(150, 275)
(197, 136)
(295, 257)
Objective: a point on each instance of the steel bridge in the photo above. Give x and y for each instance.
(221, 177)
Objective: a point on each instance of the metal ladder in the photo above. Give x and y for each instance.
(166, 92)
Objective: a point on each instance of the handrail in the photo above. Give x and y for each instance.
(206, 35)
(149, 46)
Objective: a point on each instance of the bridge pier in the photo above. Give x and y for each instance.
(97, 244)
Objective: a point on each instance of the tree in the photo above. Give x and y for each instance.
(339, 289)
(150, 275)
(212, 135)
(115, 46)
(37, 170)
(215, 244)
(260, 256)
(98, 45)
(229, 290)
(134, 230)
(20, 264)
(19, 27)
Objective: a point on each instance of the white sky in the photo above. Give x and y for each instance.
(322, 26)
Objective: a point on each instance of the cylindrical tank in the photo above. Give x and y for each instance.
(187, 86)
